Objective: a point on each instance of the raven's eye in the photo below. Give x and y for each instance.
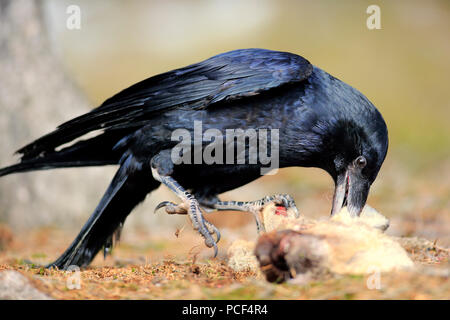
(360, 162)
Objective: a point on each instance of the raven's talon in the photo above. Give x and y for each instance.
(172, 208)
(210, 243)
(204, 227)
(162, 205)
(213, 230)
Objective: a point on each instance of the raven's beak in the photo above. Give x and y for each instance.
(351, 190)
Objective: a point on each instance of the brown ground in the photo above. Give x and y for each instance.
(145, 271)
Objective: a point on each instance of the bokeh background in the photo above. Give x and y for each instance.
(50, 74)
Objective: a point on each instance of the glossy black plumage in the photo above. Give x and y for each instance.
(323, 122)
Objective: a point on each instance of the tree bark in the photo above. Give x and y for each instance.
(35, 96)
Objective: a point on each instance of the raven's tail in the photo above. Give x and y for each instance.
(129, 187)
(96, 151)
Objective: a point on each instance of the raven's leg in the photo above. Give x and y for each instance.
(162, 169)
(254, 207)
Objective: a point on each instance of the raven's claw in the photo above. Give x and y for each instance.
(172, 208)
(201, 225)
(193, 210)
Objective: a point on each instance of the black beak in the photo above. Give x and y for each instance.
(351, 191)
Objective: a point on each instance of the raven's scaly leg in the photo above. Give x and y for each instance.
(162, 168)
(254, 207)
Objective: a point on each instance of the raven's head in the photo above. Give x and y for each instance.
(348, 139)
(356, 153)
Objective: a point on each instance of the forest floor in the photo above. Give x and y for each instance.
(145, 271)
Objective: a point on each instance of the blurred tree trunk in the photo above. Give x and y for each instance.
(35, 96)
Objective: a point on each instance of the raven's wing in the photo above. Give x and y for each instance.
(232, 75)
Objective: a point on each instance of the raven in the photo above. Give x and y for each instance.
(322, 123)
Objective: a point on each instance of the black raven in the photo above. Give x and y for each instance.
(322, 123)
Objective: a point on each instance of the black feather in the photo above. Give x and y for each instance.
(227, 76)
(129, 187)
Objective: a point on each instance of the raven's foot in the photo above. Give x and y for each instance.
(191, 207)
(162, 170)
(255, 207)
(183, 208)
